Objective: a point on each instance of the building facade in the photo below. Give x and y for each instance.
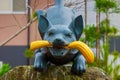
(15, 14)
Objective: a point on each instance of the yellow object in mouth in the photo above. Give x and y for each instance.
(82, 47)
(39, 44)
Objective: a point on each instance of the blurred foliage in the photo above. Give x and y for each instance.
(4, 69)
(114, 30)
(34, 14)
(116, 53)
(29, 53)
(92, 34)
(111, 69)
(107, 6)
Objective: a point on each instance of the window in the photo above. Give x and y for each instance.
(13, 6)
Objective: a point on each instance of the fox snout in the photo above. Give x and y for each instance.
(58, 43)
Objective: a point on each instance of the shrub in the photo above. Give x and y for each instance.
(5, 68)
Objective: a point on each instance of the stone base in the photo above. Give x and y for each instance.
(53, 73)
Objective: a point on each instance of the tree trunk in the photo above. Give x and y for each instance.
(85, 16)
(85, 12)
(107, 26)
(97, 40)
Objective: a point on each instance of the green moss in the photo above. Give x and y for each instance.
(53, 73)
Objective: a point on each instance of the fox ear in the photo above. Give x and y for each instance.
(77, 26)
(43, 25)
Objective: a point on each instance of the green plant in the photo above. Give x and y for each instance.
(91, 35)
(29, 53)
(107, 7)
(4, 69)
(111, 69)
(116, 75)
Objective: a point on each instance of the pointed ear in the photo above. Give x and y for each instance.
(40, 12)
(77, 26)
(43, 25)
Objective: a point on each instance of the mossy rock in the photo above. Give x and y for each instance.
(53, 73)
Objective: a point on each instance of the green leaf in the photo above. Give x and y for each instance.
(34, 14)
(29, 53)
(4, 69)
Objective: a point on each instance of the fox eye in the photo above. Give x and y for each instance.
(68, 34)
(50, 33)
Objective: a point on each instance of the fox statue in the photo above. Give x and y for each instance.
(59, 26)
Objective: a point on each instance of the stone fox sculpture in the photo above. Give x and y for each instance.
(60, 28)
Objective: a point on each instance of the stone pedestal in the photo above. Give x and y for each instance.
(53, 73)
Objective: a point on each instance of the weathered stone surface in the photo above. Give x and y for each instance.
(53, 73)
